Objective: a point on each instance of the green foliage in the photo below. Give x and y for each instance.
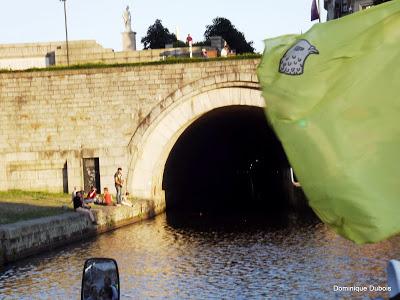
(179, 44)
(235, 39)
(158, 36)
(202, 44)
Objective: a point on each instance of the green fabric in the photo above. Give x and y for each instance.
(339, 121)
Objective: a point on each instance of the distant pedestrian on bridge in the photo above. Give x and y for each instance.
(189, 41)
(118, 184)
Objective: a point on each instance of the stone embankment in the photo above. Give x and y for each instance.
(23, 239)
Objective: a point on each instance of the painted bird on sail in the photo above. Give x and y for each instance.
(292, 63)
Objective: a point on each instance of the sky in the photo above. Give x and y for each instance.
(27, 21)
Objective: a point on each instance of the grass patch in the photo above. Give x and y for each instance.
(17, 205)
(167, 61)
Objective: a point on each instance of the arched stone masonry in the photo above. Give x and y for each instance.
(156, 136)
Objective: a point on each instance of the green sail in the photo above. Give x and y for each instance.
(332, 97)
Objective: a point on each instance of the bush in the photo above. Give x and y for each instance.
(179, 44)
(206, 43)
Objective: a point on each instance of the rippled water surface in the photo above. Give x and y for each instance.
(175, 258)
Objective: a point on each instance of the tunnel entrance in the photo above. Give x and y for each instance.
(228, 160)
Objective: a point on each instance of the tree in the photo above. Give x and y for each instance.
(157, 36)
(235, 39)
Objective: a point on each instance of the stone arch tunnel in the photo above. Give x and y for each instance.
(227, 160)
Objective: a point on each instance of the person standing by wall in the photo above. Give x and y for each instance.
(204, 53)
(118, 184)
(225, 51)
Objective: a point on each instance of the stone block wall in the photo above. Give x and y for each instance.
(23, 63)
(27, 49)
(51, 120)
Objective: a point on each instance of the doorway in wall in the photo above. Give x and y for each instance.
(91, 173)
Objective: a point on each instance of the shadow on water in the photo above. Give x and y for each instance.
(240, 221)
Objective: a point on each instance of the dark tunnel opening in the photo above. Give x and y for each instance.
(228, 161)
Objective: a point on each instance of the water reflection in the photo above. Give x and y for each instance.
(195, 257)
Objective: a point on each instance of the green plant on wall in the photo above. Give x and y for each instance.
(179, 44)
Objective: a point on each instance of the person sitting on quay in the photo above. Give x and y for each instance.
(204, 53)
(107, 198)
(125, 200)
(82, 208)
(92, 195)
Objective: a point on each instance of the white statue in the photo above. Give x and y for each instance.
(127, 20)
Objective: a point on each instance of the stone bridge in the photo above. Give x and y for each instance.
(130, 117)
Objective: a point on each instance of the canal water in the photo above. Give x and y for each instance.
(200, 257)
